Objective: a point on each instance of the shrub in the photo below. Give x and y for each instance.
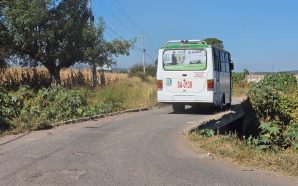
(275, 101)
(9, 105)
(288, 107)
(292, 135)
(28, 109)
(240, 84)
(270, 100)
(51, 104)
(264, 101)
(240, 77)
(102, 108)
(206, 132)
(137, 71)
(279, 81)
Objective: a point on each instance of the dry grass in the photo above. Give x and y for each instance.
(238, 152)
(12, 78)
(241, 89)
(130, 93)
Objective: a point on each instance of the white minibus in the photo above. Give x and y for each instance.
(191, 72)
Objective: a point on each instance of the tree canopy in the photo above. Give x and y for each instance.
(215, 42)
(50, 32)
(58, 34)
(5, 48)
(100, 51)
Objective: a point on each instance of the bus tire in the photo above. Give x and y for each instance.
(228, 106)
(178, 107)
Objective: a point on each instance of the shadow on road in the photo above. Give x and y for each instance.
(205, 110)
(197, 110)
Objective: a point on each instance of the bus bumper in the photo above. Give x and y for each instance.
(185, 98)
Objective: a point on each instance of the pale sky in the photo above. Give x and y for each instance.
(261, 35)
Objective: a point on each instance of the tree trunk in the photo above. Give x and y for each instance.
(55, 76)
(94, 76)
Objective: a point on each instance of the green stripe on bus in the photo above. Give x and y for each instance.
(194, 46)
(185, 67)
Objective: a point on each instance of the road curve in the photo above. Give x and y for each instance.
(146, 148)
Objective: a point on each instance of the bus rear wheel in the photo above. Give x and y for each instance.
(178, 107)
(228, 106)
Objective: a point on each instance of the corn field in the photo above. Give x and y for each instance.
(13, 78)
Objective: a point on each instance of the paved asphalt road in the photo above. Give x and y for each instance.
(146, 148)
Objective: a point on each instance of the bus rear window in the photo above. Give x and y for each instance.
(185, 60)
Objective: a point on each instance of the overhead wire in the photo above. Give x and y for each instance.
(113, 15)
(110, 29)
(150, 57)
(135, 26)
(125, 14)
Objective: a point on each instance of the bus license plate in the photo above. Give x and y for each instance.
(185, 84)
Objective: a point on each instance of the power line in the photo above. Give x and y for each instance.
(110, 29)
(118, 20)
(125, 14)
(151, 45)
(114, 32)
(150, 57)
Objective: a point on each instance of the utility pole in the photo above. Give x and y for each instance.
(93, 68)
(143, 50)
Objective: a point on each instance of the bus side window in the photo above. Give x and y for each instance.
(222, 61)
(227, 62)
(231, 66)
(215, 64)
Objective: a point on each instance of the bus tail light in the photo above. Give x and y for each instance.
(159, 84)
(210, 84)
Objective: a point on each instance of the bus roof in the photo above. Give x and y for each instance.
(195, 44)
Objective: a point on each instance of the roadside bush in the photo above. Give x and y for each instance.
(274, 97)
(240, 84)
(288, 107)
(137, 71)
(49, 104)
(9, 106)
(25, 92)
(292, 135)
(275, 102)
(240, 77)
(279, 81)
(29, 109)
(102, 108)
(272, 136)
(265, 101)
(206, 132)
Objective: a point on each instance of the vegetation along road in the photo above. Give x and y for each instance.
(146, 148)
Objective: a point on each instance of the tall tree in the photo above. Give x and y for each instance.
(100, 52)
(49, 31)
(215, 42)
(5, 48)
(57, 33)
(7, 44)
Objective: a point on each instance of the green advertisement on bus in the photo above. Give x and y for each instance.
(185, 60)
